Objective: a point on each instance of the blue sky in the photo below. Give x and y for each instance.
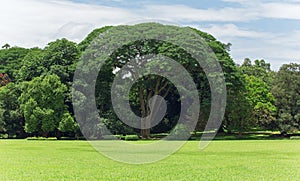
(258, 29)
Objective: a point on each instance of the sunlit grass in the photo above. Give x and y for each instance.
(221, 160)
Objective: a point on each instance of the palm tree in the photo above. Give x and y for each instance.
(6, 46)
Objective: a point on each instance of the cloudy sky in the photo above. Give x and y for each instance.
(258, 29)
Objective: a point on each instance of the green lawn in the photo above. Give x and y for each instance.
(221, 160)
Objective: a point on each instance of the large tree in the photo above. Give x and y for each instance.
(148, 86)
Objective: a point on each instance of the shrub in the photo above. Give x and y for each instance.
(35, 138)
(3, 136)
(121, 137)
(42, 138)
(109, 137)
(131, 138)
(295, 137)
(159, 135)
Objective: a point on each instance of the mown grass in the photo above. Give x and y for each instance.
(221, 160)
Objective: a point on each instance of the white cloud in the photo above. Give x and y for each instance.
(36, 22)
(287, 9)
(231, 30)
(277, 48)
(281, 10)
(33, 22)
(249, 10)
(186, 13)
(74, 31)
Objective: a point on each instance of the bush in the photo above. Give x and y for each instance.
(42, 138)
(159, 135)
(131, 138)
(295, 137)
(35, 138)
(109, 137)
(120, 137)
(3, 136)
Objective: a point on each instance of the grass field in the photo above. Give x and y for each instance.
(221, 160)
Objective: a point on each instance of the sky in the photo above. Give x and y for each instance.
(257, 29)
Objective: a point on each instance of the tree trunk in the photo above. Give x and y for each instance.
(240, 134)
(45, 134)
(58, 134)
(145, 133)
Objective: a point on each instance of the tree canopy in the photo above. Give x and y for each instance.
(35, 88)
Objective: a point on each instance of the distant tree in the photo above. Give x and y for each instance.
(261, 102)
(258, 80)
(238, 117)
(259, 68)
(32, 65)
(11, 60)
(286, 89)
(42, 101)
(57, 58)
(10, 112)
(6, 46)
(60, 58)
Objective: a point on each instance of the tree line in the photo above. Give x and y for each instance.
(36, 99)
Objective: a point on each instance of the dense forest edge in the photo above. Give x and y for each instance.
(36, 98)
